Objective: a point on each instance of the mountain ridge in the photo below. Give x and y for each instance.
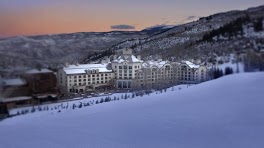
(176, 43)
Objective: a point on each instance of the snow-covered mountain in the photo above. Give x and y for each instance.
(184, 41)
(58, 49)
(226, 112)
(168, 42)
(157, 29)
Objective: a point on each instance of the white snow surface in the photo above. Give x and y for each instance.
(127, 58)
(153, 63)
(223, 113)
(81, 68)
(190, 64)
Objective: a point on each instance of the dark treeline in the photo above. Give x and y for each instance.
(97, 55)
(217, 73)
(234, 28)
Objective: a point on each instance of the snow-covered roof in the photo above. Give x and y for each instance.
(152, 64)
(13, 82)
(127, 58)
(21, 98)
(36, 71)
(81, 68)
(190, 64)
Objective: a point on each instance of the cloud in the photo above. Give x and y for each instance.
(186, 20)
(164, 24)
(191, 17)
(123, 27)
(160, 25)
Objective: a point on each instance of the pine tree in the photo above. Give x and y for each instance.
(133, 95)
(258, 25)
(80, 105)
(73, 106)
(106, 99)
(102, 100)
(228, 71)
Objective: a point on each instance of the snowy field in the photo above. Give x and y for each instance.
(224, 113)
(68, 105)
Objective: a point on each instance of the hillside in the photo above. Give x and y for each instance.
(228, 33)
(53, 50)
(209, 114)
(205, 39)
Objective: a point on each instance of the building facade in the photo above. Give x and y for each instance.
(190, 73)
(127, 71)
(85, 77)
(155, 74)
(31, 87)
(125, 68)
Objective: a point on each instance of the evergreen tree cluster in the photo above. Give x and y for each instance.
(228, 71)
(231, 29)
(217, 73)
(97, 55)
(258, 25)
(62, 106)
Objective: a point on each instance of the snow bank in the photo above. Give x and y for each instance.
(226, 112)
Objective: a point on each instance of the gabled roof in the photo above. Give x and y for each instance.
(127, 58)
(154, 64)
(190, 64)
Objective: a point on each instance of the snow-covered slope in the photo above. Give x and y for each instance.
(227, 112)
(49, 50)
(184, 41)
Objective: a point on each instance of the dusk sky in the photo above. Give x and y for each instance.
(32, 17)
